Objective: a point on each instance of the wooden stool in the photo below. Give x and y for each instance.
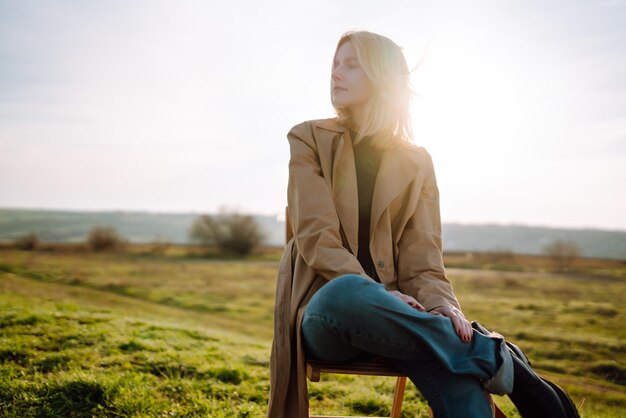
(375, 367)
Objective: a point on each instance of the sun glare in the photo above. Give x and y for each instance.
(482, 112)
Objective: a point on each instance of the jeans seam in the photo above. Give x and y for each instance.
(437, 394)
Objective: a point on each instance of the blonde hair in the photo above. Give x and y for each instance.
(386, 113)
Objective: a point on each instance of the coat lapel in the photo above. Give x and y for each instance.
(397, 169)
(343, 183)
(345, 192)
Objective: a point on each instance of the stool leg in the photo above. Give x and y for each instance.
(398, 396)
(498, 412)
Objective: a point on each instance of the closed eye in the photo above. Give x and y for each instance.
(351, 63)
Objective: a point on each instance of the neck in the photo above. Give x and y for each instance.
(356, 118)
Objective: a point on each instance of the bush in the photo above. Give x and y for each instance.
(105, 239)
(231, 233)
(563, 253)
(27, 242)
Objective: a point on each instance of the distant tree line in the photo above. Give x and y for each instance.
(239, 234)
(99, 238)
(228, 232)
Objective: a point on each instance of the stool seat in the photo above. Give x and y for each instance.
(376, 366)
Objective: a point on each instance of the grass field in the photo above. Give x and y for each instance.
(177, 335)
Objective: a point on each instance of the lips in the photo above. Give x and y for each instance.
(337, 88)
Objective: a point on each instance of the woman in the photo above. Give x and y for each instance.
(364, 272)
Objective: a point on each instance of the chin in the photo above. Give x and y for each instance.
(341, 103)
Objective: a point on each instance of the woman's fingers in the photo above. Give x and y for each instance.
(413, 303)
(458, 326)
(466, 330)
(462, 329)
(416, 305)
(409, 300)
(461, 325)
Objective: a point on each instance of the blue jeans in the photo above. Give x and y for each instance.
(351, 315)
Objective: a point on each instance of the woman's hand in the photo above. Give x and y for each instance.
(409, 300)
(461, 325)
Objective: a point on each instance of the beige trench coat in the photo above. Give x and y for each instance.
(405, 240)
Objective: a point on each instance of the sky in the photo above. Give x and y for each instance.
(184, 106)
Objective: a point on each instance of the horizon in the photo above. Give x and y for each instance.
(169, 108)
(279, 217)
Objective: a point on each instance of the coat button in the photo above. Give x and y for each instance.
(381, 264)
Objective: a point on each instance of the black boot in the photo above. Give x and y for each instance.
(533, 396)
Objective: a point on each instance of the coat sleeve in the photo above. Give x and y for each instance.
(421, 272)
(312, 210)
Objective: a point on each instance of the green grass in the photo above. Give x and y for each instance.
(118, 335)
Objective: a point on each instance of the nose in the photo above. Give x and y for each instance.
(335, 74)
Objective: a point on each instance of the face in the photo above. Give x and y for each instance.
(350, 87)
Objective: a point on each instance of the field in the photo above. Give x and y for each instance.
(172, 334)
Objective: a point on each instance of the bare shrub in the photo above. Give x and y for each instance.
(158, 246)
(102, 238)
(230, 232)
(27, 242)
(562, 253)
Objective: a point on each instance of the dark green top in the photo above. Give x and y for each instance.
(367, 161)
